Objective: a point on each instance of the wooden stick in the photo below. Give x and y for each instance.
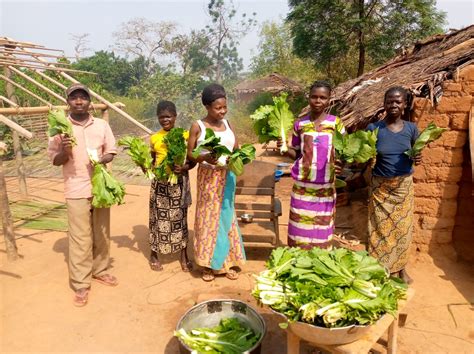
(12, 125)
(11, 103)
(50, 79)
(26, 90)
(19, 52)
(7, 223)
(14, 58)
(24, 111)
(5, 41)
(33, 81)
(43, 67)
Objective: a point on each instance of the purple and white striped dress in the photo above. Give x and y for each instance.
(313, 198)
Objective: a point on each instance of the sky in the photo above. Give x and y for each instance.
(51, 22)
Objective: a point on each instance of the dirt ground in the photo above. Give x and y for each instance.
(37, 314)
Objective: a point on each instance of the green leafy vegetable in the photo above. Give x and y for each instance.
(231, 336)
(431, 133)
(140, 153)
(106, 190)
(273, 122)
(241, 157)
(176, 155)
(58, 123)
(359, 146)
(327, 288)
(211, 144)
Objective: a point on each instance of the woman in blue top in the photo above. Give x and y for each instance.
(391, 197)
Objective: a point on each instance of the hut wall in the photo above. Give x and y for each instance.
(438, 178)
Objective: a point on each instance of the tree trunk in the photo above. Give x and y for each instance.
(7, 223)
(360, 36)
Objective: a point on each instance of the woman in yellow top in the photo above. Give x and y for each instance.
(168, 202)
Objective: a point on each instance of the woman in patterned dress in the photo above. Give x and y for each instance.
(218, 243)
(168, 203)
(313, 197)
(391, 197)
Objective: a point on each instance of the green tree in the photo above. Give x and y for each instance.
(331, 31)
(114, 74)
(275, 54)
(224, 33)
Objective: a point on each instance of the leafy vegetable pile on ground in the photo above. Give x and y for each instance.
(334, 288)
(273, 122)
(106, 190)
(359, 146)
(230, 336)
(140, 153)
(58, 123)
(175, 142)
(431, 133)
(237, 159)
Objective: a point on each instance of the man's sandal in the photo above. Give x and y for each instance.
(81, 297)
(232, 274)
(106, 279)
(208, 275)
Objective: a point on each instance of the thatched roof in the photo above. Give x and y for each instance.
(421, 70)
(271, 83)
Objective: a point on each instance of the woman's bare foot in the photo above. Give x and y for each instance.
(154, 262)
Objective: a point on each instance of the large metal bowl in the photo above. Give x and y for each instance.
(209, 314)
(328, 336)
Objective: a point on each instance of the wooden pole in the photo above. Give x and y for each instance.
(11, 103)
(24, 111)
(34, 82)
(9, 81)
(7, 223)
(15, 127)
(16, 139)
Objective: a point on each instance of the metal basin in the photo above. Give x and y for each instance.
(209, 314)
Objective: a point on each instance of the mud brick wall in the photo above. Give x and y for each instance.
(437, 179)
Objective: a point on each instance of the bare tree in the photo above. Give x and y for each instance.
(80, 43)
(140, 37)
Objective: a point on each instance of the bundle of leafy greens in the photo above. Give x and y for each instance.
(176, 147)
(58, 123)
(211, 144)
(230, 336)
(140, 153)
(274, 121)
(431, 133)
(325, 288)
(359, 146)
(106, 190)
(241, 157)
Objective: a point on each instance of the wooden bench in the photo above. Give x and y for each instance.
(255, 195)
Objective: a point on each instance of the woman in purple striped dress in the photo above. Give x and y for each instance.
(313, 198)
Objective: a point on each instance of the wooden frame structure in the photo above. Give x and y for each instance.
(19, 60)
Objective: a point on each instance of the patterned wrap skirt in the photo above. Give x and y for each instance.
(312, 209)
(391, 220)
(168, 215)
(217, 240)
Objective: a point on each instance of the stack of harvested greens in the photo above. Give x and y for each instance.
(273, 122)
(334, 288)
(58, 123)
(106, 190)
(176, 149)
(231, 336)
(140, 153)
(431, 133)
(237, 159)
(359, 146)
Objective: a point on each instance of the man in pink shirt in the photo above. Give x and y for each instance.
(88, 227)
